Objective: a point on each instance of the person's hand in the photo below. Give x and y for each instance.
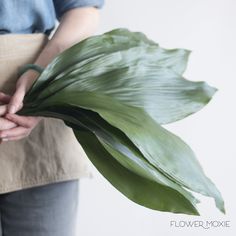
(23, 84)
(25, 124)
(5, 123)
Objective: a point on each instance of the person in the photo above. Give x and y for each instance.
(41, 161)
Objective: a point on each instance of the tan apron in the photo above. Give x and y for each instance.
(51, 152)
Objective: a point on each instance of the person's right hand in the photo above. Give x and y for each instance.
(5, 123)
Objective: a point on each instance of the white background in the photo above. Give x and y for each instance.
(207, 28)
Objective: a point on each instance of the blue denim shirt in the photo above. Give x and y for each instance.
(36, 16)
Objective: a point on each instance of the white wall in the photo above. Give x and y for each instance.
(207, 27)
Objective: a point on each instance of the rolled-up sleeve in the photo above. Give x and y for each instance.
(61, 6)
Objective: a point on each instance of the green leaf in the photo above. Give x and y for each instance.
(131, 69)
(138, 189)
(167, 152)
(116, 143)
(116, 89)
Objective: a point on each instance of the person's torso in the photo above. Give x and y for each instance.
(37, 16)
(51, 152)
(27, 16)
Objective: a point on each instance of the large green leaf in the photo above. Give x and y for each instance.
(138, 189)
(117, 88)
(137, 82)
(131, 69)
(157, 193)
(116, 143)
(116, 40)
(167, 152)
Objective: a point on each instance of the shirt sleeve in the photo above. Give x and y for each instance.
(61, 6)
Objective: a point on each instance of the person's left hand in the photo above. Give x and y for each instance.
(15, 102)
(24, 128)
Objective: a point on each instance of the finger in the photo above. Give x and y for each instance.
(16, 101)
(13, 138)
(5, 98)
(3, 110)
(17, 131)
(25, 121)
(6, 124)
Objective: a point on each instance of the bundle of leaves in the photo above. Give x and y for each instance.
(115, 90)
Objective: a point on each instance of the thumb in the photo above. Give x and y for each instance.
(4, 98)
(16, 101)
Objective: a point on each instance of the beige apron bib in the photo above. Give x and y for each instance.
(51, 152)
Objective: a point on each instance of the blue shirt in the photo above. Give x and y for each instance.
(36, 16)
